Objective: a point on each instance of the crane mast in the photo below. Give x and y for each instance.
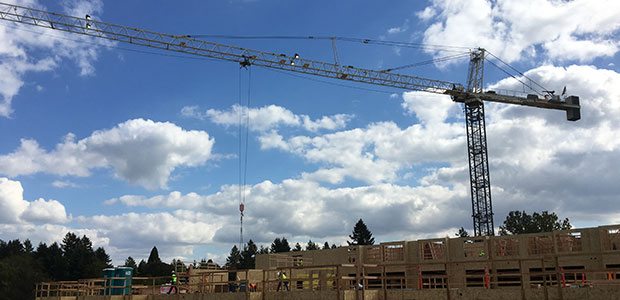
(479, 175)
(472, 96)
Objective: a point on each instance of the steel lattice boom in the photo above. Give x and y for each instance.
(472, 96)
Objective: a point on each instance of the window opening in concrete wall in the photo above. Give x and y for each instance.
(395, 280)
(394, 252)
(474, 278)
(540, 245)
(352, 252)
(434, 280)
(373, 254)
(613, 271)
(569, 242)
(474, 248)
(574, 274)
(433, 250)
(509, 277)
(539, 277)
(611, 241)
(506, 247)
(372, 281)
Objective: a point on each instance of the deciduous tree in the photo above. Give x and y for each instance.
(519, 222)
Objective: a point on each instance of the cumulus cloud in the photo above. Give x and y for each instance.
(311, 210)
(25, 50)
(42, 211)
(15, 210)
(135, 229)
(429, 108)
(267, 118)
(513, 30)
(142, 152)
(378, 152)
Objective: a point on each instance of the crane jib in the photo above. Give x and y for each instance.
(187, 45)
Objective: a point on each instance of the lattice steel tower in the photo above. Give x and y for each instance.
(482, 208)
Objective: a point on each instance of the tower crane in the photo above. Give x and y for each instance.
(472, 96)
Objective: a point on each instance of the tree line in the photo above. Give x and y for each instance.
(22, 266)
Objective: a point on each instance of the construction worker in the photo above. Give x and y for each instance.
(173, 285)
(282, 279)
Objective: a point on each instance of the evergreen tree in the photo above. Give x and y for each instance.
(263, 250)
(154, 256)
(462, 233)
(280, 245)
(361, 235)
(142, 268)
(233, 261)
(285, 246)
(51, 259)
(11, 248)
(311, 246)
(248, 255)
(130, 262)
(18, 275)
(103, 258)
(28, 246)
(154, 266)
(79, 256)
(334, 246)
(297, 247)
(326, 246)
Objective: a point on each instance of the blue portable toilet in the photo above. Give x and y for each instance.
(108, 273)
(122, 282)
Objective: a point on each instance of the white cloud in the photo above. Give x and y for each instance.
(378, 152)
(12, 203)
(260, 119)
(181, 227)
(61, 184)
(267, 118)
(193, 112)
(27, 49)
(426, 14)
(311, 210)
(399, 29)
(512, 30)
(15, 210)
(42, 211)
(139, 151)
(326, 122)
(429, 108)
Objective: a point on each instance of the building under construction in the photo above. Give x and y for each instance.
(570, 264)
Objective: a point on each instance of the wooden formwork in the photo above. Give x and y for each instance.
(569, 264)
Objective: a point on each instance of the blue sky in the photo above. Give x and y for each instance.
(139, 148)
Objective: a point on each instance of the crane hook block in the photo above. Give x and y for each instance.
(573, 113)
